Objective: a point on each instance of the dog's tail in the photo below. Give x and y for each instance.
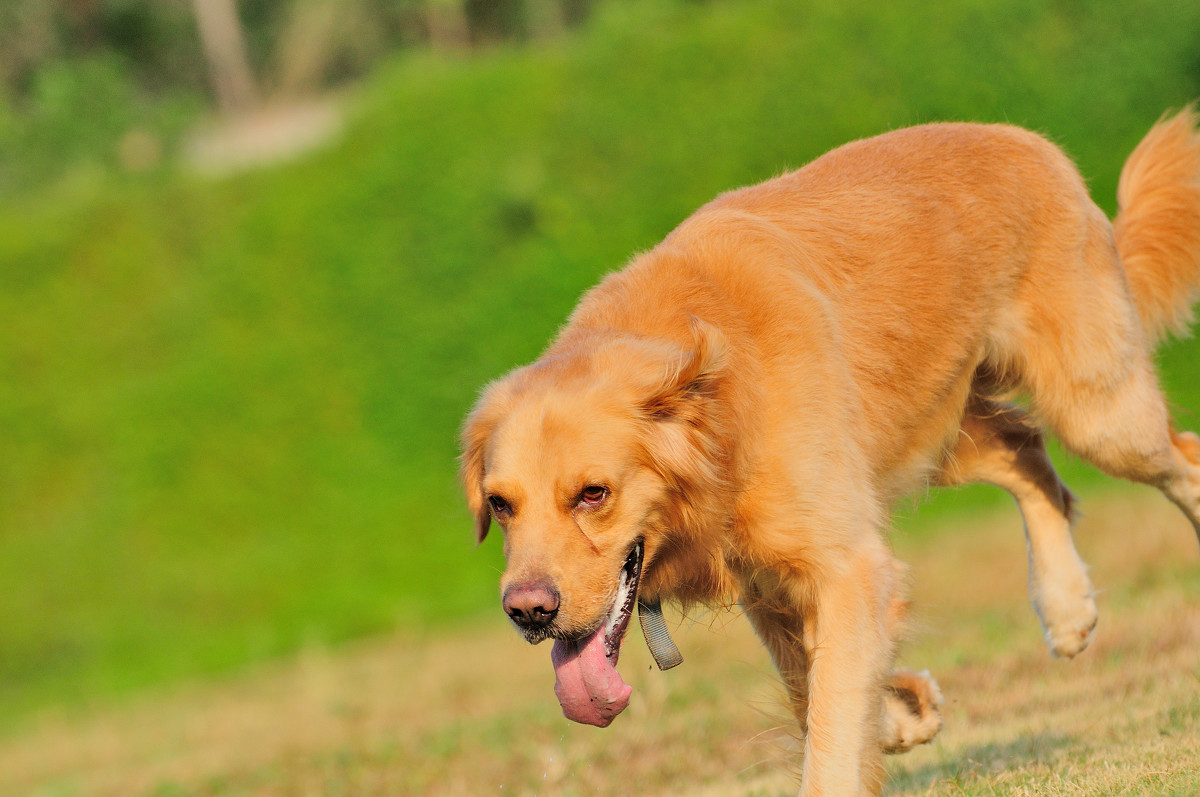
(1158, 226)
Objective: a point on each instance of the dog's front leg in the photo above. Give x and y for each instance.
(779, 623)
(848, 653)
(827, 635)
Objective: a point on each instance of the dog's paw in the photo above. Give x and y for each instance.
(912, 713)
(1068, 616)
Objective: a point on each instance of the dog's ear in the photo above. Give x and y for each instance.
(476, 432)
(687, 438)
(694, 377)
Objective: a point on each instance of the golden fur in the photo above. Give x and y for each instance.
(756, 391)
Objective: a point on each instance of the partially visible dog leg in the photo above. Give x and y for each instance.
(827, 634)
(912, 715)
(1085, 362)
(780, 625)
(1000, 446)
(911, 701)
(849, 653)
(1122, 427)
(1124, 430)
(840, 612)
(1184, 490)
(1116, 418)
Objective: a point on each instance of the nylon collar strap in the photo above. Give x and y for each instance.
(658, 639)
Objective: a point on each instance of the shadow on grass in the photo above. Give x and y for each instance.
(980, 761)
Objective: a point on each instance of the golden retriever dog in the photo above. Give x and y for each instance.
(732, 416)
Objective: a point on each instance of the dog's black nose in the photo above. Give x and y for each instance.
(531, 605)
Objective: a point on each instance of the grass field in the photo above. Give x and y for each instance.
(471, 712)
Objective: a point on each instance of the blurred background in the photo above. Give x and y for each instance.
(258, 256)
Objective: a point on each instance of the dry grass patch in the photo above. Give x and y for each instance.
(472, 712)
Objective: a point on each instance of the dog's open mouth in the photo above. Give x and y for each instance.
(586, 682)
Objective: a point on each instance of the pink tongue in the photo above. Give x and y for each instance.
(586, 683)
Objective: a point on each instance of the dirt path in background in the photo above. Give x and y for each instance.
(273, 134)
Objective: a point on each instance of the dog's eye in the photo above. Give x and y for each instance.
(499, 505)
(593, 495)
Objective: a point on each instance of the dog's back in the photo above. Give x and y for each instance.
(929, 253)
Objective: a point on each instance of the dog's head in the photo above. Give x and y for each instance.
(582, 459)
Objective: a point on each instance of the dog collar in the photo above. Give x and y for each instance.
(658, 639)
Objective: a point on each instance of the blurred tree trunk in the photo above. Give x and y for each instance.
(447, 24)
(576, 12)
(544, 18)
(225, 49)
(490, 21)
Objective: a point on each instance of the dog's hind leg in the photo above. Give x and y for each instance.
(1075, 342)
(1185, 449)
(998, 445)
(1123, 428)
(1090, 376)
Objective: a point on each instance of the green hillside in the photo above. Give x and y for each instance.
(228, 409)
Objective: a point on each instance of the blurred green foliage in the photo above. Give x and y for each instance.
(77, 76)
(228, 409)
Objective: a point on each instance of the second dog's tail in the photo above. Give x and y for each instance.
(1158, 225)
